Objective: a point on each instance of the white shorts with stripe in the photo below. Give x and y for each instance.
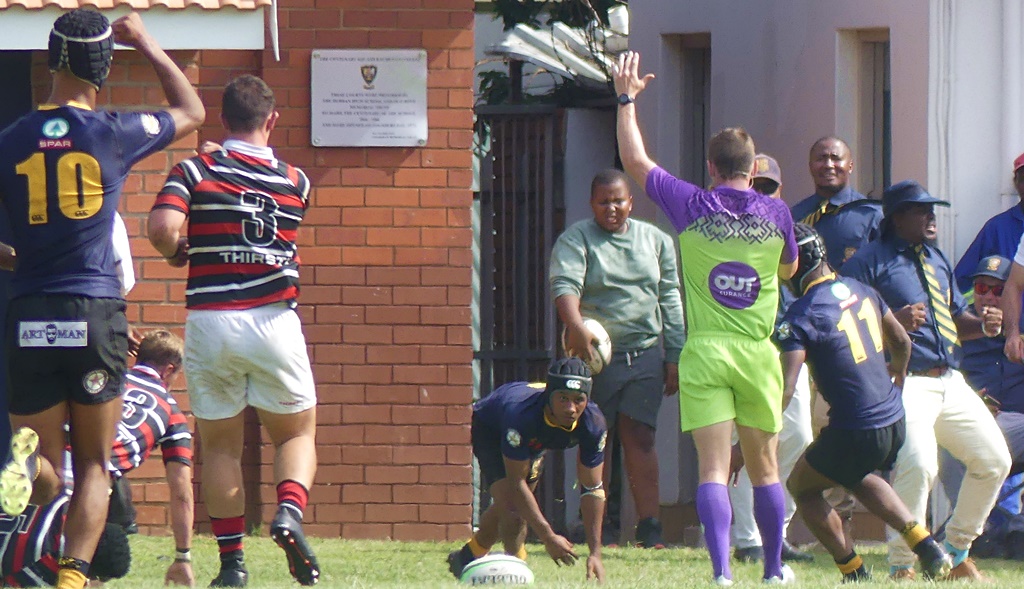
(254, 357)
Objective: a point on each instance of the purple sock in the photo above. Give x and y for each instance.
(769, 513)
(715, 513)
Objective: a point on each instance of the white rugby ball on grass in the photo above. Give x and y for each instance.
(603, 345)
(497, 569)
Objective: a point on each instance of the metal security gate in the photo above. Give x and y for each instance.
(518, 216)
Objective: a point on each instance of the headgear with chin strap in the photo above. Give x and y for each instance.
(569, 374)
(82, 42)
(811, 253)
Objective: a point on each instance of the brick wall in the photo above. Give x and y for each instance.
(385, 279)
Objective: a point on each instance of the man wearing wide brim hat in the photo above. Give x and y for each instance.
(915, 279)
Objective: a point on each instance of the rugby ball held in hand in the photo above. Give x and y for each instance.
(602, 347)
(497, 569)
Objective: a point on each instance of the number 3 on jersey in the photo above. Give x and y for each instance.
(848, 325)
(79, 186)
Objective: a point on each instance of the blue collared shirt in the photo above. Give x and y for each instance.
(847, 229)
(985, 367)
(890, 265)
(1000, 236)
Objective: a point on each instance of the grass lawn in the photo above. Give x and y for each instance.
(363, 563)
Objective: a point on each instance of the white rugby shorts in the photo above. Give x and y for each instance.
(253, 357)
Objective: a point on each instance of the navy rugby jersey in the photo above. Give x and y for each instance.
(31, 543)
(244, 207)
(149, 418)
(854, 222)
(515, 412)
(838, 324)
(61, 173)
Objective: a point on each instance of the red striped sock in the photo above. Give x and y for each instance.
(229, 532)
(293, 493)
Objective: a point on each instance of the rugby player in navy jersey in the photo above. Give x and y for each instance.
(511, 429)
(841, 328)
(61, 172)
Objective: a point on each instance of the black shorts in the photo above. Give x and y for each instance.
(847, 456)
(64, 348)
(487, 449)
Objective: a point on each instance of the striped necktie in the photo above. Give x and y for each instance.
(826, 208)
(939, 300)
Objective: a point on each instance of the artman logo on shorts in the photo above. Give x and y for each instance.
(53, 334)
(734, 285)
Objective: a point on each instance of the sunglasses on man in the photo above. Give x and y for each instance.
(982, 289)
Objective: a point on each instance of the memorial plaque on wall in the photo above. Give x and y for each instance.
(368, 98)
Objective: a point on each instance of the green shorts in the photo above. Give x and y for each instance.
(724, 378)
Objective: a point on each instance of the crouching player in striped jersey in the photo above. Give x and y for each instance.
(244, 344)
(150, 418)
(841, 327)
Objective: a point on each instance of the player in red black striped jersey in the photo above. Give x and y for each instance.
(31, 543)
(243, 339)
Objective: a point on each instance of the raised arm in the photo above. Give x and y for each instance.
(186, 108)
(631, 144)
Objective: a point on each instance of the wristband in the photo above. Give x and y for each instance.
(182, 555)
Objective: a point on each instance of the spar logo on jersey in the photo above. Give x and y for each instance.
(54, 131)
(734, 285)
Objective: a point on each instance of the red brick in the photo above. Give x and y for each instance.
(356, 493)
(421, 177)
(420, 334)
(393, 355)
(423, 494)
(445, 197)
(370, 217)
(445, 316)
(460, 375)
(393, 276)
(366, 295)
(447, 237)
(459, 414)
(367, 375)
(393, 314)
(443, 514)
(338, 474)
(446, 158)
(458, 335)
(388, 475)
(397, 236)
(441, 474)
(392, 434)
(420, 256)
(344, 513)
(341, 275)
(425, 375)
(392, 513)
(355, 454)
(420, 455)
(370, 19)
(341, 354)
(366, 177)
(458, 494)
(340, 314)
(419, 295)
(459, 455)
(445, 395)
(370, 256)
(430, 354)
(338, 196)
(416, 414)
(448, 276)
(343, 236)
(392, 197)
(460, 295)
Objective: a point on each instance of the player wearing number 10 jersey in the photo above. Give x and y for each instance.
(61, 172)
(243, 338)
